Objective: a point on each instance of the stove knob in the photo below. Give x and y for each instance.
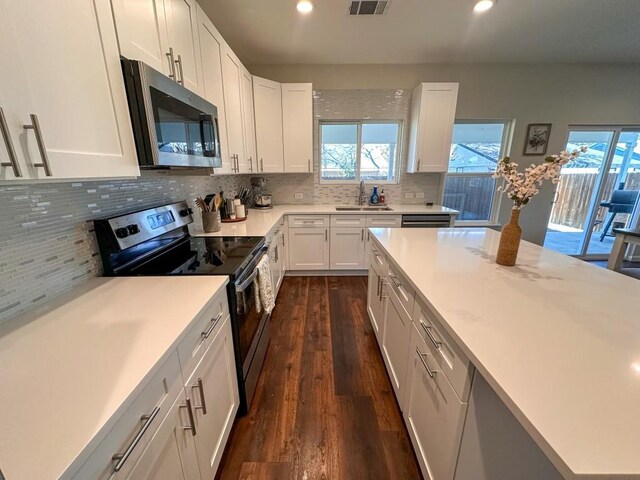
(186, 211)
(133, 229)
(122, 232)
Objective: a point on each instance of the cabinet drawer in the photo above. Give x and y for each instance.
(380, 261)
(308, 221)
(384, 221)
(195, 342)
(136, 427)
(348, 220)
(401, 289)
(454, 363)
(433, 413)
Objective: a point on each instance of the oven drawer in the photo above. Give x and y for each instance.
(136, 426)
(308, 221)
(196, 340)
(453, 362)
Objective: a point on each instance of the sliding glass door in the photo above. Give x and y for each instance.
(596, 193)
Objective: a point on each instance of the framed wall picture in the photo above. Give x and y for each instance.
(537, 139)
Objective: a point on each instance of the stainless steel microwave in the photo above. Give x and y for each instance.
(172, 126)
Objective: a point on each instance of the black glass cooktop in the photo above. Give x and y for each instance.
(200, 256)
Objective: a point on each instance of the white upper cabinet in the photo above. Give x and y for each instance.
(232, 82)
(433, 113)
(182, 26)
(63, 80)
(164, 35)
(211, 46)
(267, 98)
(249, 162)
(297, 126)
(142, 32)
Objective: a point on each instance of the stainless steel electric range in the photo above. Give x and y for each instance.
(156, 242)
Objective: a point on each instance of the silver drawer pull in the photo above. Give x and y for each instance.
(395, 280)
(214, 322)
(427, 330)
(421, 356)
(192, 423)
(11, 151)
(35, 126)
(121, 458)
(378, 287)
(203, 403)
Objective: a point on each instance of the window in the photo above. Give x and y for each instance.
(354, 151)
(476, 148)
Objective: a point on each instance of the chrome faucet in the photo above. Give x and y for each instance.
(361, 193)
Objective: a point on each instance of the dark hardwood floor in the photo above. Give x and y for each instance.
(324, 407)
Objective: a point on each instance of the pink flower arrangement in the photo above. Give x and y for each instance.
(522, 186)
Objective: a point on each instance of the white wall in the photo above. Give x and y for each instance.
(559, 94)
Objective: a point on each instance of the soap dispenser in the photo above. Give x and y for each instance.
(375, 198)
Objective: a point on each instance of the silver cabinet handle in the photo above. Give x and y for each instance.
(326, 235)
(251, 164)
(237, 163)
(203, 403)
(418, 168)
(382, 284)
(214, 322)
(179, 63)
(421, 356)
(395, 280)
(262, 164)
(121, 458)
(282, 239)
(309, 165)
(362, 239)
(192, 424)
(368, 236)
(277, 253)
(172, 63)
(427, 330)
(6, 135)
(35, 126)
(378, 287)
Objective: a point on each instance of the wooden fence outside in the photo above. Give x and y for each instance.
(574, 192)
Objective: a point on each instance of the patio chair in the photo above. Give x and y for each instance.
(622, 201)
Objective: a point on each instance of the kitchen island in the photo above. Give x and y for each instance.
(557, 339)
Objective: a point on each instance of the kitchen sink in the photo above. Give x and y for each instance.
(363, 209)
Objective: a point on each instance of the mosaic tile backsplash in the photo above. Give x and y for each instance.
(47, 245)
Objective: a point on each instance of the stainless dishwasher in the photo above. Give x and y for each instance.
(426, 221)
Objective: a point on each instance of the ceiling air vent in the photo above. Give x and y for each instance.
(368, 7)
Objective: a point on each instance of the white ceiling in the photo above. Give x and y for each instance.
(431, 31)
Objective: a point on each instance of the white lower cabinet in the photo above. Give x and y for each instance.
(171, 453)
(433, 413)
(213, 390)
(347, 248)
(309, 248)
(376, 302)
(395, 342)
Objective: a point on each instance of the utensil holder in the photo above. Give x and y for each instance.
(211, 221)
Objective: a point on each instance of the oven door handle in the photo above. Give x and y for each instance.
(242, 287)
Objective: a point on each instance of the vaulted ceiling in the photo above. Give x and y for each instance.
(432, 31)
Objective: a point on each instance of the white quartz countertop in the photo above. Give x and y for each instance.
(558, 339)
(67, 367)
(260, 222)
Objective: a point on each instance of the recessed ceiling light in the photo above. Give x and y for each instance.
(304, 6)
(482, 5)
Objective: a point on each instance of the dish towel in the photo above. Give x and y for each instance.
(265, 288)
